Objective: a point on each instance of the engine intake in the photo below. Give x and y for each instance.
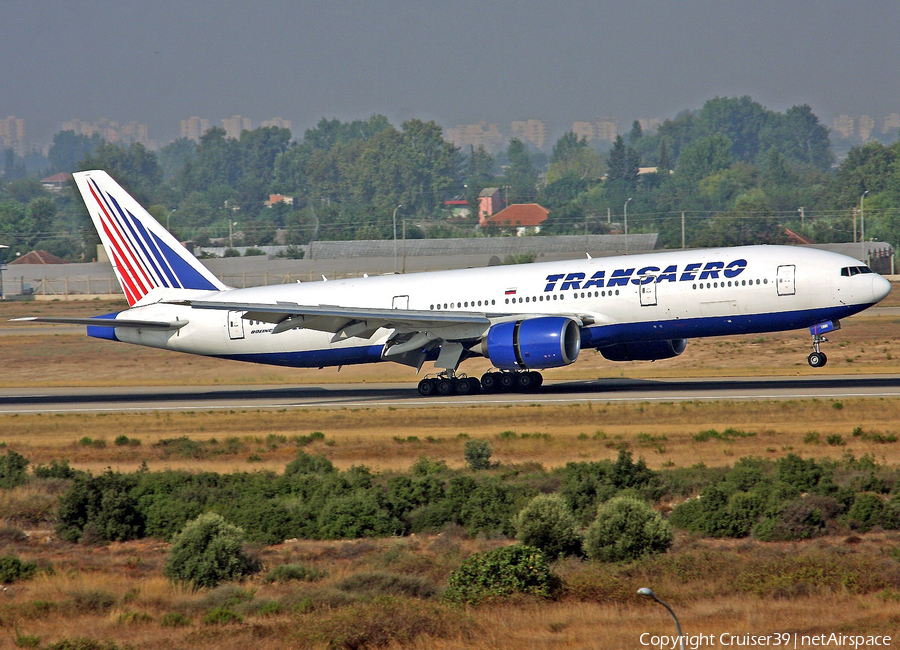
(545, 342)
(644, 350)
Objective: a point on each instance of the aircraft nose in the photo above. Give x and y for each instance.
(881, 287)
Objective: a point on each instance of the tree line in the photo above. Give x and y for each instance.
(739, 172)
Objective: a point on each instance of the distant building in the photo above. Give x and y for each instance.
(533, 131)
(844, 124)
(12, 134)
(279, 198)
(891, 123)
(56, 182)
(112, 131)
(38, 257)
(235, 124)
(521, 216)
(606, 128)
(865, 126)
(276, 122)
(649, 123)
(194, 127)
(489, 202)
(457, 207)
(477, 135)
(583, 130)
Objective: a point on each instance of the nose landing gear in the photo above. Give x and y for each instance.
(817, 358)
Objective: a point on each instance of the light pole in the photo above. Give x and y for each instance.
(648, 593)
(167, 220)
(862, 226)
(231, 225)
(2, 248)
(626, 225)
(395, 236)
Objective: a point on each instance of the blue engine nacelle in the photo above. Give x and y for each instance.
(545, 342)
(644, 350)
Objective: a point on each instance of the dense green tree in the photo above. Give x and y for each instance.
(135, 168)
(174, 156)
(479, 175)
(69, 149)
(635, 134)
(521, 176)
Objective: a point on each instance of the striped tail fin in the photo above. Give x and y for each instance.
(144, 255)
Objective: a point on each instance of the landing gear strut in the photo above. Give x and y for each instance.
(817, 358)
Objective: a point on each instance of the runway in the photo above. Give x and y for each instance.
(150, 399)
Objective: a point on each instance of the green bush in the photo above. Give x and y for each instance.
(174, 619)
(478, 454)
(56, 469)
(799, 518)
(289, 572)
(547, 524)
(12, 569)
(866, 512)
(221, 616)
(12, 469)
(501, 572)
(208, 551)
(626, 529)
(82, 643)
(378, 583)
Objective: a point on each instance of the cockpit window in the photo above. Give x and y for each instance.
(847, 271)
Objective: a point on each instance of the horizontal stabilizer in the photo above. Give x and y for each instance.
(106, 322)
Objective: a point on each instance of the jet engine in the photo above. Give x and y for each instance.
(534, 343)
(644, 350)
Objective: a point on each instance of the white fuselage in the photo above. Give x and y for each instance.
(647, 297)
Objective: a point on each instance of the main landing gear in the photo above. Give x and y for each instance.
(817, 358)
(449, 383)
(522, 381)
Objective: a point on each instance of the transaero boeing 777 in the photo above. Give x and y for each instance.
(523, 318)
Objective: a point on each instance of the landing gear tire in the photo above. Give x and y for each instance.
(427, 387)
(462, 387)
(506, 381)
(474, 384)
(490, 382)
(445, 387)
(526, 381)
(817, 359)
(538, 379)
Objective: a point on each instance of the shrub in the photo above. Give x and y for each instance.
(56, 469)
(547, 524)
(378, 583)
(288, 572)
(800, 518)
(82, 643)
(867, 511)
(626, 529)
(91, 601)
(12, 469)
(221, 616)
(12, 569)
(208, 551)
(501, 572)
(174, 619)
(478, 454)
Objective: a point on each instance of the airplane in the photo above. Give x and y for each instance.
(523, 318)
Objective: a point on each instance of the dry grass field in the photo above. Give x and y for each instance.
(842, 583)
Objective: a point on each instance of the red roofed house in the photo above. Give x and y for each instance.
(56, 182)
(39, 257)
(519, 216)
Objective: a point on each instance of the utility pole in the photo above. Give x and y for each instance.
(404, 246)
(862, 227)
(802, 216)
(682, 230)
(626, 225)
(395, 235)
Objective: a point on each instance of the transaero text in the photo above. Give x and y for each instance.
(646, 275)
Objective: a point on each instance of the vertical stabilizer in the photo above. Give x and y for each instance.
(143, 254)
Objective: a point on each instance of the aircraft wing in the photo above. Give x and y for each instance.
(106, 322)
(335, 319)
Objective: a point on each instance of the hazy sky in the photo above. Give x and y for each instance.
(160, 61)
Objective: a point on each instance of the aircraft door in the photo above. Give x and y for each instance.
(235, 325)
(400, 302)
(648, 293)
(784, 280)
